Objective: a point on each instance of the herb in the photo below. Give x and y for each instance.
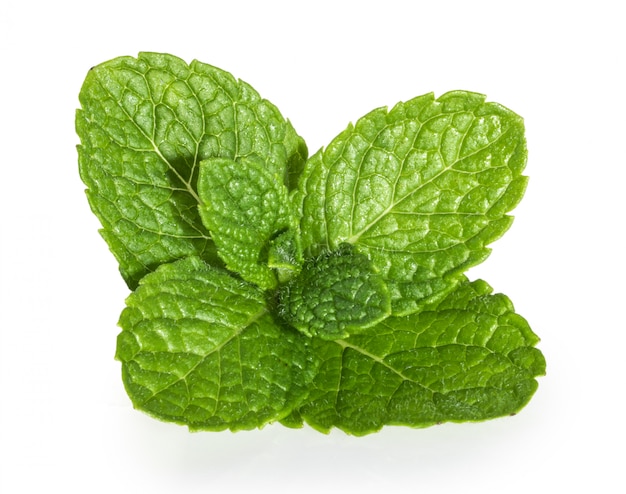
(268, 286)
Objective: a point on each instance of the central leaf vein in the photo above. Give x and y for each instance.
(355, 237)
(216, 350)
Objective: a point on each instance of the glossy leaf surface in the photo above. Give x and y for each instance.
(421, 189)
(200, 348)
(145, 125)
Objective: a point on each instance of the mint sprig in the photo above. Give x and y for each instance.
(329, 290)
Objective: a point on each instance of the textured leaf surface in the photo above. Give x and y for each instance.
(469, 358)
(233, 241)
(421, 189)
(200, 348)
(145, 125)
(246, 208)
(335, 295)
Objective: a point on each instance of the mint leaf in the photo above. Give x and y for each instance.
(285, 253)
(246, 208)
(468, 358)
(200, 348)
(328, 291)
(420, 189)
(336, 294)
(145, 125)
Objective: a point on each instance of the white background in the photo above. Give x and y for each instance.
(66, 424)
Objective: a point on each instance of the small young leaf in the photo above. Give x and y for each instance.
(469, 358)
(199, 347)
(336, 294)
(246, 209)
(285, 253)
(145, 125)
(421, 189)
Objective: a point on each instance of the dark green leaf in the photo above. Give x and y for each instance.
(469, 358)
(336, 294)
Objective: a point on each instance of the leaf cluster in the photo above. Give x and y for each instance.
(329, 290)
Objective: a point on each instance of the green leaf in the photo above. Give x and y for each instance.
(248, 212)
(145, 125)
(327, 291)
(421, 190)
(285, 253)
(468, 358)
(200, 348)
(335, 295)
